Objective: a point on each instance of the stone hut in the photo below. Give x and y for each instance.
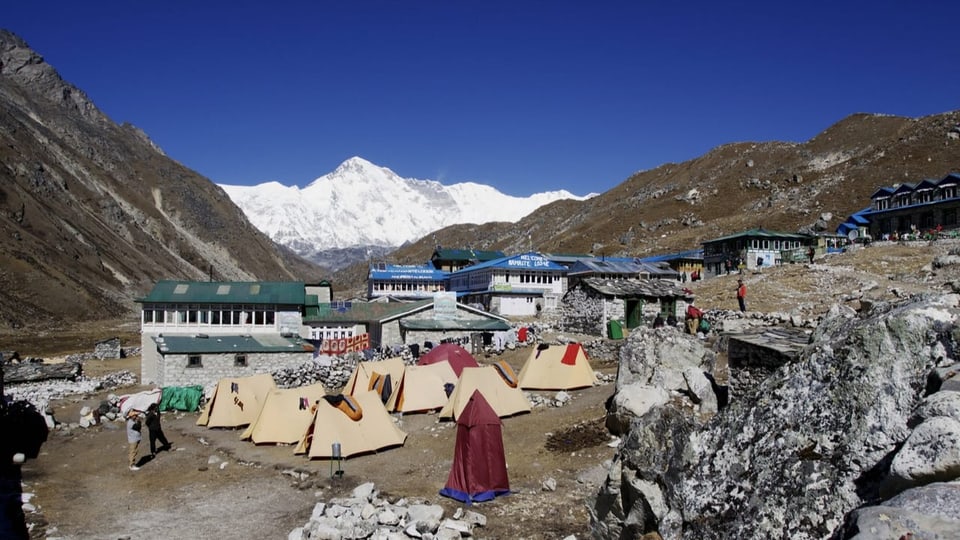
(589, 305)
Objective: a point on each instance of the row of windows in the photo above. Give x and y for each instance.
(390, 286)
(216, 315)
(754, 243)
(328, 332)
(765, 243)
(917, 197)
(926, 220)
(532, 278)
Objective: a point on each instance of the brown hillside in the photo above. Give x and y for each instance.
(775, 185)
(92, 213)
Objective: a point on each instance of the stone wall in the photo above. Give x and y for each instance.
(173, 370)
(582, 313)
(108, 348)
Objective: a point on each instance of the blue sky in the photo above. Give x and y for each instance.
(526, 96)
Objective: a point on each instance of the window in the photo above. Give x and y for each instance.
(240, 360)
(193, 361)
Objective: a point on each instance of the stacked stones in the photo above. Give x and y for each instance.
(365, 515)
(41, 393)
(725, 320)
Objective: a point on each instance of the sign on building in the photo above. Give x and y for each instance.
(445, 306)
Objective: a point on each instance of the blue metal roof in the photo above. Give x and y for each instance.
(689, 254)
(524, 261)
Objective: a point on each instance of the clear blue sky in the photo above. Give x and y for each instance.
(526, 96)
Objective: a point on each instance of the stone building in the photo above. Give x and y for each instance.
(592, 303)
(911, 208)
(221, 310)
(520, 285)
(391, 324)
(203, 360)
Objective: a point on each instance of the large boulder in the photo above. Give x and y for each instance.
(659, 357)
(814, 441)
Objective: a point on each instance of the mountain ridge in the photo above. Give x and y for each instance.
(362, 206)
(736, 186)
(92, 213)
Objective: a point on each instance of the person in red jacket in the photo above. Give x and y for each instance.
(742, 295)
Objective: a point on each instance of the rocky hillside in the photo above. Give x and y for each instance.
(856, 437)
(92, 213)
(776, 185)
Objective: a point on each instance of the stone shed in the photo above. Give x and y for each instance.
(593, 302)
(204, 360)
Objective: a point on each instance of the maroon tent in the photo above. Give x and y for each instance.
(479, 470)
(458, 357)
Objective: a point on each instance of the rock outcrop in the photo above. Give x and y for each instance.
(863, 417)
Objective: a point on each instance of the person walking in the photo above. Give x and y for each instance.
(133, 439)
(155, 431)
(742, 295)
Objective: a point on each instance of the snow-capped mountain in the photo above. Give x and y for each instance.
(361, 206)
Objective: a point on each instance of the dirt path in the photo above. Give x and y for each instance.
(212, 485)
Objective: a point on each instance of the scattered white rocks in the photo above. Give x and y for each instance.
(40, 393)
(365, 515)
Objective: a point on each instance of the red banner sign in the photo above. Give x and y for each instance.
(345, 345)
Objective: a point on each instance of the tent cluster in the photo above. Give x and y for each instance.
(446, 379)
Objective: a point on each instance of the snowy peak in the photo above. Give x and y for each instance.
(361, 204)
(358, 168)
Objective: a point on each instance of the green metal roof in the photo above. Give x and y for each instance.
(759, 233)
(361, 311)
(229, 344)
(227, 292)
(490, 325)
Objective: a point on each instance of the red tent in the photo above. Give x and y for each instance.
(479, 470)
(458, 357)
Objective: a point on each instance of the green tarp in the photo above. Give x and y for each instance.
(614, 330)
(181, 398)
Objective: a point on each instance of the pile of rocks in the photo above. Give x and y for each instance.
(365, 515)
(559, 399)
(331, 371)
(725, 320)
(42, 392)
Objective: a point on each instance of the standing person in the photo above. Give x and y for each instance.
(155, 430)
(811, 253)
(133, 439)
(742, 295)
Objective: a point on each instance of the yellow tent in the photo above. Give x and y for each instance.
(506, 401)
(236, 401)
(285, 415)
(365, 375)
(558, 367)
(422, 388)
(373, 431)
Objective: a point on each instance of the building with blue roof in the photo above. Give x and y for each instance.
(683, 262)
(405, 281)
(519, 285)
(912, 208)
